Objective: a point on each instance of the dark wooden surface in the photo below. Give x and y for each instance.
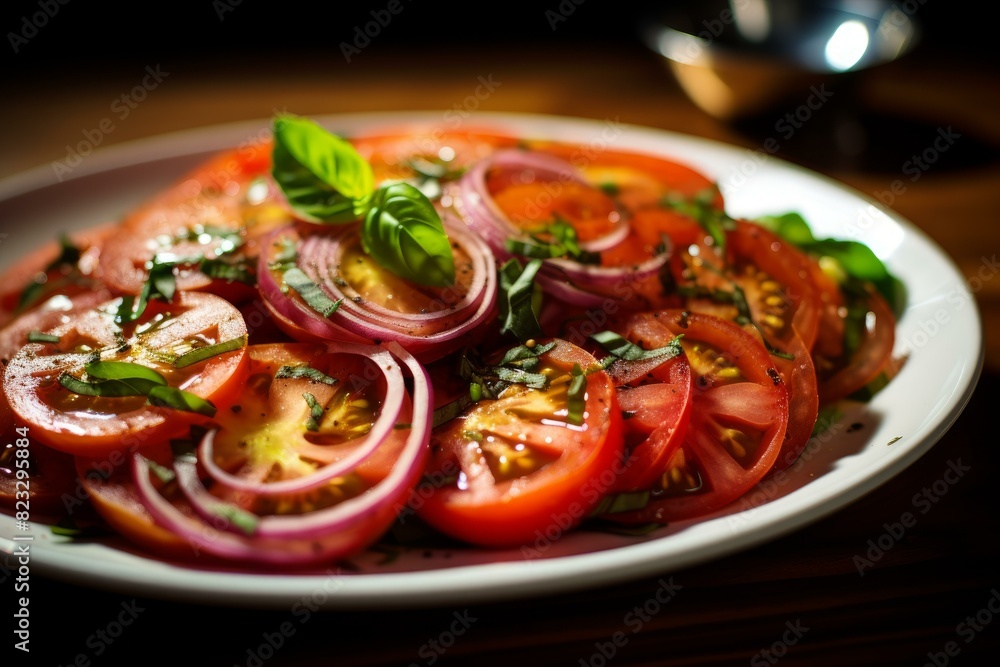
(800, 597)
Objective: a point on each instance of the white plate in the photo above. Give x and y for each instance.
(940, 330)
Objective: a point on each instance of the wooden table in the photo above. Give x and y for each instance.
(796, 600)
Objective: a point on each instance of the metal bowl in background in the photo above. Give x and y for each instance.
(735, 58)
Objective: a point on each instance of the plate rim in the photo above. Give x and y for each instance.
(534, 577)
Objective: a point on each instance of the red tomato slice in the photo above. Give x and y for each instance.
(392, 153)
(221, 209)
(95, 425)
(512, 468)
(855, 369)
(33, 477)
(655, 396)
(34, 279)
(738, 419)
(111, 492)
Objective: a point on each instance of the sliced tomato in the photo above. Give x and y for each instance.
(312, 464)
(510, 469)
(657, 411)
(54, 270)
(219, 212)
(112, 494)
(95, 425)
(410, 152)
(33, 477)
(738, 419)
(857, 367)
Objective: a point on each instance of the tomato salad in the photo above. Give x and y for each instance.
(303, 342)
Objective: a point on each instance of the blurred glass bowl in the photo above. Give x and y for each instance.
(740, 57)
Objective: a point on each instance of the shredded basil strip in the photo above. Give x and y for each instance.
(315, 412)
(164, 474)
(108, 388)
(178, 399)
(576, 396)
(524, 357)
(287, 256)
(454, 408)
(517, 376)
(614, 503)
(701, 207)
(242, 520)
(624, 349)
(122, 370)
(69, 256)
(305, 372)
(219, 269)
(521, 300)
(311, 293)
(564, 243)
(39, 337)
(209, 351)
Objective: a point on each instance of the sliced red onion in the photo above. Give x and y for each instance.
(334, 532)
(429, 335)
(582, 284)
(389, 416)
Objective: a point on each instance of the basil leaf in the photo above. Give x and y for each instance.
(701, 207)
(244, 521)
(311, 293)
(404, 234)
(323, 177)
(790, 226)
(178, 399)
(521, 300)
(108, 388)
(122, 370)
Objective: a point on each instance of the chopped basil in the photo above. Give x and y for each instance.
(178, 399)
(628, 351)
(614, 503)
(218, 269)
(287, 256)
(454, 408)
(311, 293)
(39, 337)
(557, 239)
(305, 372)
(69, 256)
(209, 351)
(164, 474)
(315, 412)
(244, 521)
(701, 207)
(108, 388)
(576, 396)
(518, 376)
(122, 370)
(521, 299)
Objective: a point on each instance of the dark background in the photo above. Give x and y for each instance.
(86, 39)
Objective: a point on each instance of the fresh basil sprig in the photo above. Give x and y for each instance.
(403, 232)
(326, 181)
